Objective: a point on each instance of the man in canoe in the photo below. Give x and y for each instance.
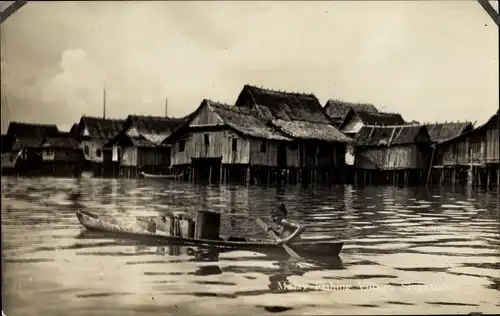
(288, 231)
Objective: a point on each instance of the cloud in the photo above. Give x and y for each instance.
(78, 87)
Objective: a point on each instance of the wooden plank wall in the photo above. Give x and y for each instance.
(152, 157)
(268, 158)
(452, 154)
(492, 145)
(220, 146)
(129, 156)
(93, 147)
(206, 117)
(396, 157)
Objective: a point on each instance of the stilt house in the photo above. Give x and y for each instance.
(23, 140)
(227, 143)
(138, 147)
(392, 154)
(317, 152)
(444, 157)
(357, 117)
(93, 133)
(62, 156)
(472, 156)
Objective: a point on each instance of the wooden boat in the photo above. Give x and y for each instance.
(304, 247)
(161, 176)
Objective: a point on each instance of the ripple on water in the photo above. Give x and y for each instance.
(394, 246)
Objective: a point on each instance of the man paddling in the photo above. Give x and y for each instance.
(288, 231)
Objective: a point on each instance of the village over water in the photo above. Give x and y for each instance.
(267, 136)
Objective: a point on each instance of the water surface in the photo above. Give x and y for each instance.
(406, 251)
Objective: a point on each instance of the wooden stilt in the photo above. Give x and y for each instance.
(470, 177)
(488, 178)
(498, 180)
(247, 175)
(210, 174)
(221, 174)
(441, 177)
(479, 176)
(406, 178)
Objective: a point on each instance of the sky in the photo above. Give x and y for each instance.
(428, 60)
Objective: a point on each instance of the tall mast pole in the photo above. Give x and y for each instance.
(104, 103)
(166, 107)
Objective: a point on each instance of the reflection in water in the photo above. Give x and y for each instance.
(403, 249)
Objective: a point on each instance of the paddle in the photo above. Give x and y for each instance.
(272, 234)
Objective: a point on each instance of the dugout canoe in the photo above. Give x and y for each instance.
(304, 247)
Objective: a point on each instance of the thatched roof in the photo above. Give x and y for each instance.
(99, 128)
(374, 118)
(245, 121)
(440, 132)
(491, 123)
(21, 135)
(337, 109)
(62, 142)
(307, 130)
(151, 130)
(297, 115)
(242, 120)
(30, 130)
(154, 124)
(74, 129)
(146, 131)
(391, 135)
(281, 105)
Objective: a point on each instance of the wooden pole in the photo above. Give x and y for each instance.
(247, 176)
(221, 174)
(498, 180)
(210, 174)
(431, 163)
(488, 178)
(470, 176)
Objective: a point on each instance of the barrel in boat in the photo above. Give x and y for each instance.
(207, 225)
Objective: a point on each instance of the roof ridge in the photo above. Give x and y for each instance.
(102, 118)
(279, 91)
